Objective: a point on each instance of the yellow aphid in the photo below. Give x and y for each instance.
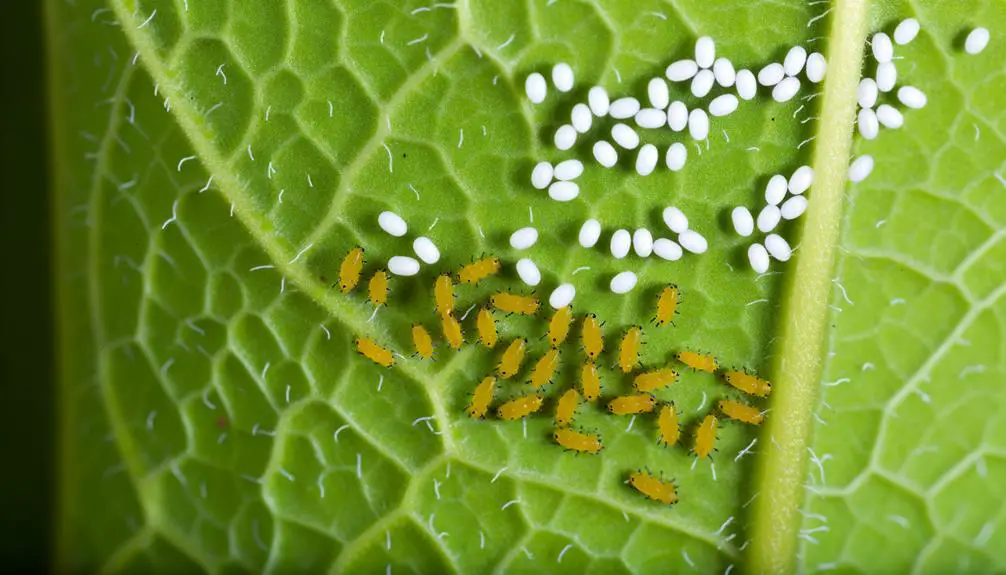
(628, 349)
(487, 328)
(655, 489)
(512, 358)
(590, 381)
(667, 305)
(443, 295)
(477, 271)
(565, 409)
(377, 289)
(667, 422)
(741, 411)
(578, 441)
(654, 380)
(481, 398)
(632, 404)
(591, 336)
(749, 384)
(373, 351)
(514, 303)
(544, 369)
(558, 326)
(422, 340)
(705, 437)
(698, 361)
(349, 271)
(520, 407)
(452, 331)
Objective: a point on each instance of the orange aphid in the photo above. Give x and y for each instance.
(667, 423)
(654, 488)
(422, 340)
(377, 289)
(590, 381)
(514, 303)
(632, 404)
(481, 398)
(443, 295)
(653, 380)
(452, 331)
(349, 270)
(592, 336)
(741, 411)
(487, 328)
(628, 349)
(667, 305)
(512, 358)
(705, 437)
(578, 441)
(477, 271)
(544, 369)
(520, 407)
(373, 351)
(558, 326)
(565, 409)
(698, 361)
(749, 384)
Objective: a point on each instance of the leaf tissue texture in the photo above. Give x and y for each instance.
(911, 430)
(215, 160)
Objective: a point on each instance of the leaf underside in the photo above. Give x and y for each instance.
(216, 417)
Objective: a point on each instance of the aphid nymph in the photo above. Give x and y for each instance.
(349, 270)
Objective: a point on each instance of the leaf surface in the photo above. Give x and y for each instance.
(216, 160)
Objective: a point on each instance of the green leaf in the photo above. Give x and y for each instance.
(215, 161)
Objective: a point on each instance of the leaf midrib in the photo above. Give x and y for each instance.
(796, 371)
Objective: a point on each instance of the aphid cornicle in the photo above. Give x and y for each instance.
(544, 368)
(373, 351)
(422, 340)
(512, 358)
(443, 295)
(667, 305)
(520, 407)
(481, 398)
(377, 288)
(628, 349)
(653, 380)
(705, 437)
(477, 271)
(349, 270)
(452, 331)
(590, 381)
(749, 384)
(632, 404)
(592, 336)
(558, 326)
(654, 488)
(565, 408)
(698, 361)
(487, 328)
(667, 423)
(741, 411)
(578, 441)
(514, 303)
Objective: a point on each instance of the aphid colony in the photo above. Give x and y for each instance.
(646, 383)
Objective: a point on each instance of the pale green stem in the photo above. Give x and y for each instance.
(782, 466)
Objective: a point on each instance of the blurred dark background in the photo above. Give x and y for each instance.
(27, 367)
